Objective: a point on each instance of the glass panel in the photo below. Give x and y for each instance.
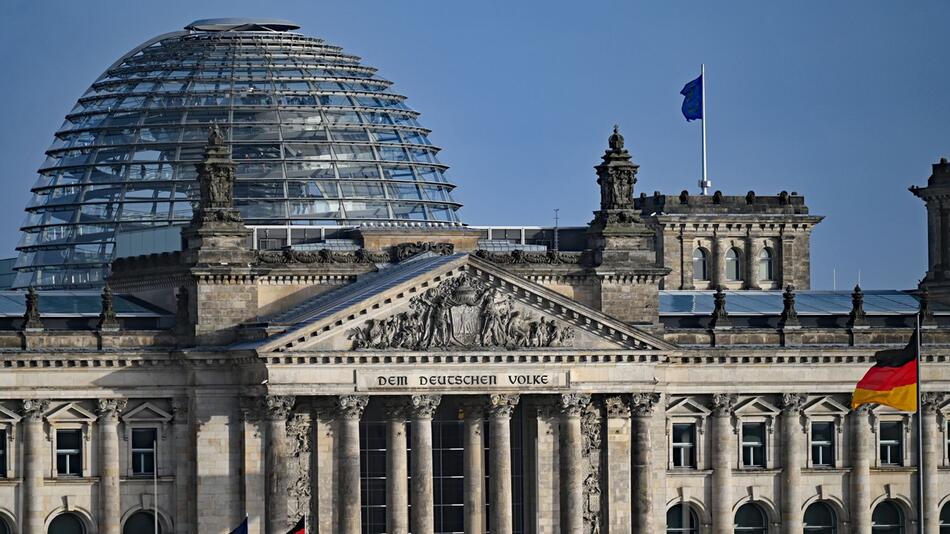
(66, 524)
(140, 523)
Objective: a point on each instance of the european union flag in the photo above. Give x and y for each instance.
(693, 101)
(242, 528)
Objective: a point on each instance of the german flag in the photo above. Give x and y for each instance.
(300, 527)
(892, 381)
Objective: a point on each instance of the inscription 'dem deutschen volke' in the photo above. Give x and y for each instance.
(489, 381)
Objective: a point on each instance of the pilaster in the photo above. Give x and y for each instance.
(32, 411)
(473, 467)
(722, 453)
(109, 497)
(931, 402)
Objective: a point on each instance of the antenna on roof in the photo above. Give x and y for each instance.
(859, 276)
(834, 279)
(555, 228)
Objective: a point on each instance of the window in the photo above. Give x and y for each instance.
(765, 265)
(66, 524)
(684, 445)
(945, 519)
(143, 451)
(68, 453)
(820, 519)
(823, 444)
(3, 457)
(753, 444)
(373, 451)
(700, 264)
(141, 523)
(681, 519)
(733, 265)
(750, 520)
(4, 528)
(891, 440)
(887, 519)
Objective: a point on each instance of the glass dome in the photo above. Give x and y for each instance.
(317, 137)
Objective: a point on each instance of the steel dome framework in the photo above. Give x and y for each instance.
(318, 139)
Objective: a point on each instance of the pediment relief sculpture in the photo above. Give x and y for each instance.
(462, 312)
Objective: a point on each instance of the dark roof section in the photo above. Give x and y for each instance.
(76, 304)
(242, 25)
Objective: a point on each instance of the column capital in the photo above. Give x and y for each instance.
(643, 403)
(180, 407)
(793, 403)
(473, 409)
(724, 403)
(931, 401)
(251, 408)
(33, 409)
(424, 406)
(277, 407)
(617, 406)
(863, 410)
(573, 404)
(352, 406)
(396, 409)
(108, 409)
(502, 405)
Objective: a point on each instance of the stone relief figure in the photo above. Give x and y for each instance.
(461, 313)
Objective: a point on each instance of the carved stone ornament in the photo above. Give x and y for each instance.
(857, 317)
(107, 317)
(789, 316)
(793, 402)
(33, 409)
(462, 312)
(352, 406)
(617, 406)
(396, 409)
(298, 466)
(287, 256)
(473, 409)
(277, 407)
(216, 182)
(404, 251)
(180, 407)
(31, 318)
(516, 257)
(926, 312)
(502, 405)
(110, 408)
(573, 404)
(616, 175)
(724, 403)
(720, 317)
(642, 404)
(931, 401)
(424, 406)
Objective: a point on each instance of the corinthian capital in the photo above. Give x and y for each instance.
(931, 401)
(278, 407)
(424, 406)
(352, 406)
(573, 404)
(724, 403)
(109, 409)
(642, 404)
(502, 405)
(617, 406)
(793, 403)
(33, 409)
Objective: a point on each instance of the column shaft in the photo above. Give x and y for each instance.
(570, 460)
(33, 461)
(793, 445)
(931, 402)
(351, 409)
(722, 452)
(109, 496)
(473, 470)
(276, 496)
(500, 520)
(183, 466)
(642, 474)
(860, 471)
(397, 475)
(423, 507)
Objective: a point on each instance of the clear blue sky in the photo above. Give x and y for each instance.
(845, 102)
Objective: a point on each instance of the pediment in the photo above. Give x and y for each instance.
(71, 412)
(8, 416)
(465, 304)
(686, 406)
(825, 406)
(880, 409)
(756, 406)
(146, 413)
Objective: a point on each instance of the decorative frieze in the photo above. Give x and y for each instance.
(521, 257)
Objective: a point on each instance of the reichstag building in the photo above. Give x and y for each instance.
(244, 291)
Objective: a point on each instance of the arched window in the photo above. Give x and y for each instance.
(681, 519)
(4, 527)
(750, 519)
(67, 524)
(733, 265)
(887, 519)
(945, 519)
(820, 519)
(141, 523)
(765, 265)
(700, 264)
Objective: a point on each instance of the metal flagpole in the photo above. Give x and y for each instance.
(920, 442)
(704, 185)
(155, 482)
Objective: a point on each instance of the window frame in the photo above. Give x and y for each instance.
(833, 445)
(769, 259)
(705, 259)
(154, 450)
(738, 263)
(763, 445)
(79, 453)
(689, 513)
(4, 452)
(834, 518)
(901, 443)
(694, 446)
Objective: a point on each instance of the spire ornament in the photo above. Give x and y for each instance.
(789, 317)
(216, 182)
(857, 317)
(107, 317)
(720, 318)
(32, 320)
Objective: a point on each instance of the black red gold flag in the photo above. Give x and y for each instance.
(892, 380)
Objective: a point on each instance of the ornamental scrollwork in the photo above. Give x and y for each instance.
(462, 312)
(424, 406)
(616, 406)
(931, 401)
(288, 256)
(298, 481)
(277, 407)
(516, 257)
(404, 251)
(724, 403)
(502, 405)
(642, 404)
(352, 406)
(793, 402)
(33, 409)
(573, 404)
(110, 408)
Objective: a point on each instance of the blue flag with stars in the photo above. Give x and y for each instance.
(693, 99)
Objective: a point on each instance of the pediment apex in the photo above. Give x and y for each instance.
(146, 412)
(757, 406)
(8, 416)
(881, 409)
(687, 406)
(71, 412)
(825, 405)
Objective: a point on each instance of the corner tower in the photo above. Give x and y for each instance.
(936, 195)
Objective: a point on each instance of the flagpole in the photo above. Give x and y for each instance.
(920, 441)
(704, 185)
(155, 483)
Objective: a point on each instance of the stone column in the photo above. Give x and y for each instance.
(617, 476)
(473, 467)
(641, 407)
(793, 446)
(183, 467)
(397, 471)
(571, 462)
(723, 451)
(751, 274)
(109, 496)
(500, 408)
(718, 273)
(276, 409)
(861, 449)
(686, 260)
(930, 403)
(325, 473)
(34, 447)
(351, 409)
(253, 470)
(423, 507)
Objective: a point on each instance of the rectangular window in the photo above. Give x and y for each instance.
(823, 444)
(69, 452)
(892, 446)
(753, 445)
(3, 454)
(143, 451)
(684, 445)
